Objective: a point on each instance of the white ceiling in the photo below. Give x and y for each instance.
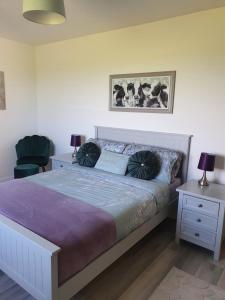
(92, 16)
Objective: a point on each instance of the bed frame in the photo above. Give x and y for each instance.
(32, 261)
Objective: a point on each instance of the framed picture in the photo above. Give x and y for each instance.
(142, 92)
(2, 91)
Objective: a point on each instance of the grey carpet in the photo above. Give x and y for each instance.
(180, 285)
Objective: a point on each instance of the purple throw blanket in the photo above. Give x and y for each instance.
(81, 230)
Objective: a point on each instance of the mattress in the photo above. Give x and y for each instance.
(130, 201)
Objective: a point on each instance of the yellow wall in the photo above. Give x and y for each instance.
(73, 82)
(19, 118)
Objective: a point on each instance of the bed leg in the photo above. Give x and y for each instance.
(53, 279)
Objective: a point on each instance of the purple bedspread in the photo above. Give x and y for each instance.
(81, 230)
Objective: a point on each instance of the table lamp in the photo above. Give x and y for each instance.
(206, 163)
(75, 142)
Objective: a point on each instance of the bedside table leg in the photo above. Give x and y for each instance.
(179, 213)
(219, 233)
(216, 256)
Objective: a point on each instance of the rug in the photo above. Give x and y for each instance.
(178, 285)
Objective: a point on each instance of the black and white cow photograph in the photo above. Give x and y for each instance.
(143, 92)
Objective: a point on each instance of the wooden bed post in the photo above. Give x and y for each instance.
(52, 271)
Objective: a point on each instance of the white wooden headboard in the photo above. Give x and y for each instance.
(179, 142)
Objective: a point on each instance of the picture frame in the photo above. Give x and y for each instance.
(2, 91)
(151, 92)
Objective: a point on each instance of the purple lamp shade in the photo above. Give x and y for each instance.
(206, 162)
(75, 140)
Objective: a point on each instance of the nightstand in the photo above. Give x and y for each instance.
(200, 218)
(62, 160)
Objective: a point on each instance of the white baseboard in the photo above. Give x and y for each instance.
(5, 179)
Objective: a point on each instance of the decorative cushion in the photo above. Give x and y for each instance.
(170, 160)
(88, 154)
(112, 162)
(143, 165)
(25, 170)
(108, 145)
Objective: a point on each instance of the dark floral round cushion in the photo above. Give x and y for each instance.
(88, 154)
(143, 165)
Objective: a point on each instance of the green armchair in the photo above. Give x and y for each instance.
(33, 149)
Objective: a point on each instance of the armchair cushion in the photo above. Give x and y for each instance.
(41, 161)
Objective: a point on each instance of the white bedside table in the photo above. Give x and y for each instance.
(61, 160)
(200, 218)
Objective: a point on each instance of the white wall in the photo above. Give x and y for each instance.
(73, 82)
(19, 118)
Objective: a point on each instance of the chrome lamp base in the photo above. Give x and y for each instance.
(74, 154)
(203, 181)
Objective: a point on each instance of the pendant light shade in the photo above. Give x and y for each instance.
(47, 12)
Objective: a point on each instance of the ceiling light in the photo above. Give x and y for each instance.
(47, 12)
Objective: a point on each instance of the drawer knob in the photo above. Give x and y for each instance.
(200, 205)
(61, 166)
(199, 220)
(197, 234)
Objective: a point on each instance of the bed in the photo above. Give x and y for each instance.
(34, 262)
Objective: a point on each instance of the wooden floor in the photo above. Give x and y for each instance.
(137, 273)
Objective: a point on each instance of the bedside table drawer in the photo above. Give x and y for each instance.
(199, 220)
(200, 235)
(203, 206)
